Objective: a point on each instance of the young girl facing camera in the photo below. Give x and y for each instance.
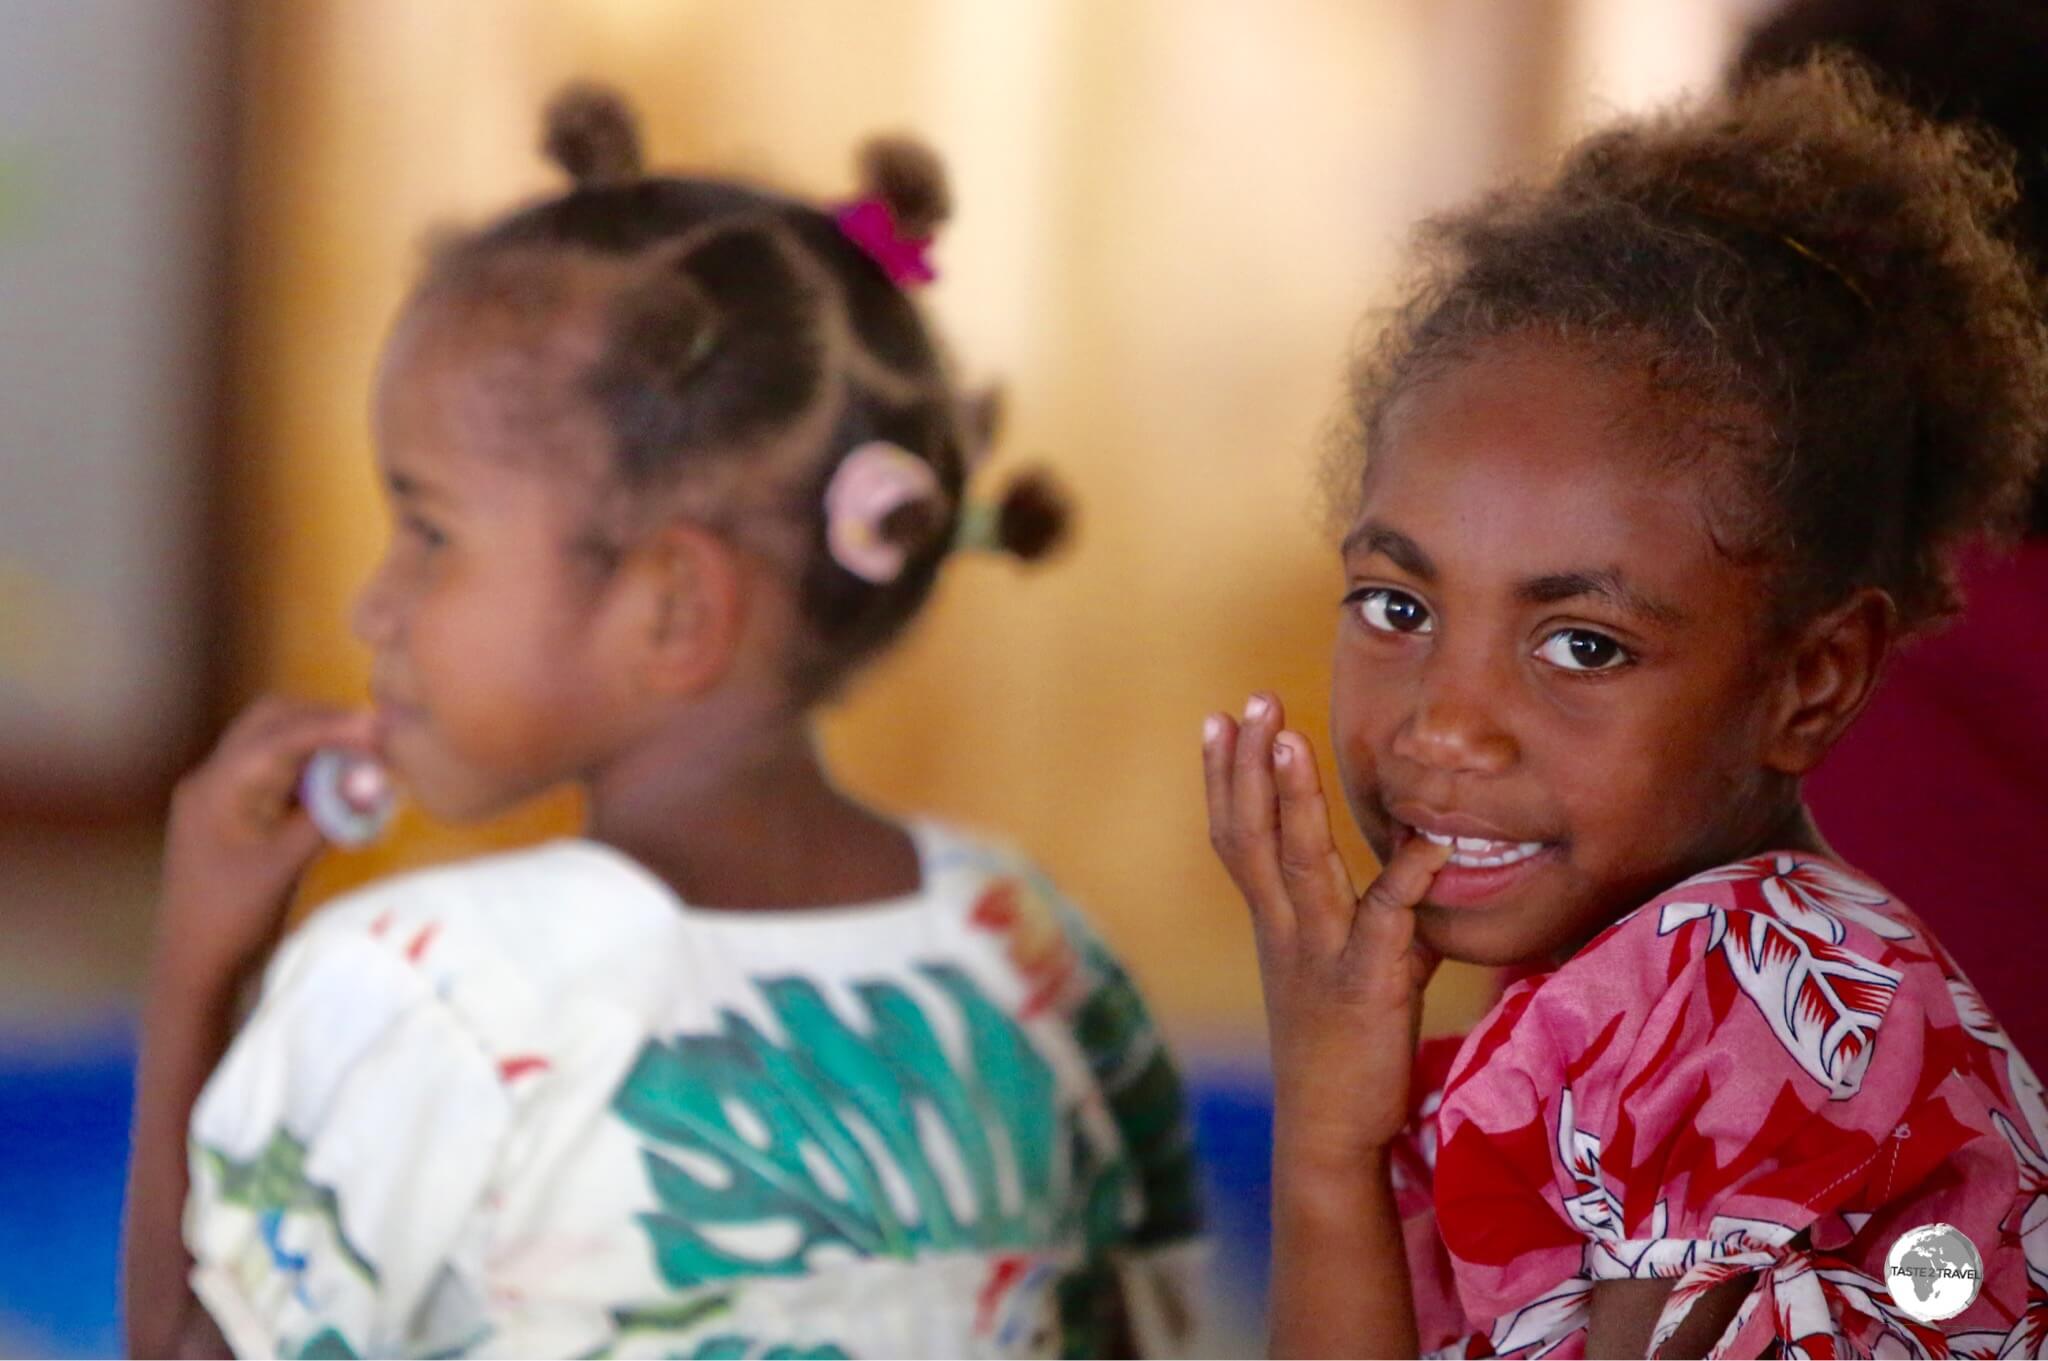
(748, 1069)
(1656, 466)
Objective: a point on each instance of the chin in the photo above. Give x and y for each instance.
(1467, 936)
(454, 800)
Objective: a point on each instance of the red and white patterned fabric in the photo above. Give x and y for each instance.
(1771, 1068)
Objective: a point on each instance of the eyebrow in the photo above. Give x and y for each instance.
(1404, 552)
(1601, 583)
(1607, 585)
(407, 487)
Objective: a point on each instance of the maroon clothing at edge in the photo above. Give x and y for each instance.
(1940, 790)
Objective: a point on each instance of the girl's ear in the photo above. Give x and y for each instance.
(1838, 660)
(690, 590)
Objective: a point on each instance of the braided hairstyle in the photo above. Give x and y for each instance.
(1812, 276)
(747, 346)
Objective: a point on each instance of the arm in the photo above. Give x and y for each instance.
(234, 848)
(1334, 1230)
(1343, 978)
(1624, 1314)
(187, 1022)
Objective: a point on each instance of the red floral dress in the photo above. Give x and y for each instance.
(1771, 1068)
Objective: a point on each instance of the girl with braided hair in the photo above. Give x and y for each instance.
(747, 1068)
(1658, 461)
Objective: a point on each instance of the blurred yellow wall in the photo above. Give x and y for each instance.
(1171, 217)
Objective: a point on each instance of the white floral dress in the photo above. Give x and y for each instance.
(535, 1105)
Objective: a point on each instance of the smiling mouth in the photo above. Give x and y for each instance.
(1480, 868)
(1474, 852)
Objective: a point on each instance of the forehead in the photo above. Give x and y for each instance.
(1537, 458)
(488, 377)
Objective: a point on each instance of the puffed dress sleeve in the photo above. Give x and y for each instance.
(338, 1156)
(1714, 1086)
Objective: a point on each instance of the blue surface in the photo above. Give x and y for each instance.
(64, 1113)
(1234, 1130)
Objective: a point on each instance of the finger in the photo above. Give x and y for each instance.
(1384, 927)
(260, 723)
(262, 710)
(1255, 810)
(297, 838)
(1219, 743)
(1404, 881)
(266, 771)
(1219, 754)
(1317, 881)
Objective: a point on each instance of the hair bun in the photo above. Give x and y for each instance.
(906, 175)
(592, 133)
(1034, 516)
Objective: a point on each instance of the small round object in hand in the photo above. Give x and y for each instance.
(348, 796)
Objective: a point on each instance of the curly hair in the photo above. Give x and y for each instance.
(1978, 61)
(748, 346)
(1814, 275)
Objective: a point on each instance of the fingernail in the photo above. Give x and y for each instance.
(1255, 707)
(1283, 752)
(1212, 728)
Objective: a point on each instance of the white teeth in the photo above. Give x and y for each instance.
(1508, 855)
(1475, 852)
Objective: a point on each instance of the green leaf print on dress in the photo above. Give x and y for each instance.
(743, 1130)
(274, 1184)
(326, 1345)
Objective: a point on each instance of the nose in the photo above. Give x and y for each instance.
(374, 616)
(1455, 725)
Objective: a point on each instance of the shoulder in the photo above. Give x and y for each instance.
(1005, 897)
(995, 885)
(1788, 957)
(1810, 895)
(957, 857)
(1730, 1053)
(496, 940)
(509, 882)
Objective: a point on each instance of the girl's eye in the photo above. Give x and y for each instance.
(427, 534)
(1389, 611)
(1583, 650)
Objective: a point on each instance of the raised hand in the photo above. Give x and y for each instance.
(1343, 977)
(236, 845)
(237, 839)
(1343, 973)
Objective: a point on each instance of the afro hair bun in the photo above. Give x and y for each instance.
(906, 176)
(1035, 516)
(591, 132)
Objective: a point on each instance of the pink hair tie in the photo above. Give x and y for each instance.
(872, 481)
(870, 224)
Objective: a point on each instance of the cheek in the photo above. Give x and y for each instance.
(1364, 710)
(1661, 777)
(504, 684)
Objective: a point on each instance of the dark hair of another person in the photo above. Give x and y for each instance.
(750, 347)
(1955, 60)
(1810, 277)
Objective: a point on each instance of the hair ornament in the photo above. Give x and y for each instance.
(1030, 520)
(903, 201)
(872, 483)
(1841, 275)
(869, 224)
(980, 529)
